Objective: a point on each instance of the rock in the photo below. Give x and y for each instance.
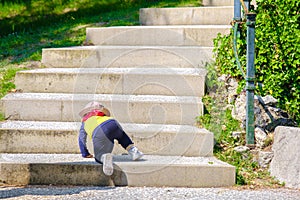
(1, 107)
(261, 119)
(233, 83)
(285, 165)
(260, 136)
(229, 107)
(280, 122)
(222, 78)
(264, 158)
(266, 116)
(236, 134)
(269, 100)
(254, 153)
(241, 149)
(224, 127)
(232, 86)
(239, 110)
(231, 98)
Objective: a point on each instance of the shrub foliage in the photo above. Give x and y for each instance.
(277, 52)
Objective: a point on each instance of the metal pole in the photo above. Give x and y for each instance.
(247, 4)
(237, 10)
(250, 78)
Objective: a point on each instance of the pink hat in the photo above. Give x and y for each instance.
(93, 106)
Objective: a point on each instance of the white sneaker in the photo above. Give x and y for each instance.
(107, 160)
(135, 153)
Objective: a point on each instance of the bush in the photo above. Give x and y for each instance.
(277, 59)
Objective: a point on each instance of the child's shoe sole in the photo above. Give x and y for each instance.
(137, 156)
(108, 168)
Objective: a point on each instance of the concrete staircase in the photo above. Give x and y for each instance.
(150, 77)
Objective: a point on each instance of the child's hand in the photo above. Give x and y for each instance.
(89, 156)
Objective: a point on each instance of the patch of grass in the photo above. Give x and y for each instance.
(180, 3)
(24, 15)
(7, 80)
(2, 117)
(28, 26)
(27, 29)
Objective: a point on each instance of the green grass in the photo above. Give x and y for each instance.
(6, 80)
(27, 27)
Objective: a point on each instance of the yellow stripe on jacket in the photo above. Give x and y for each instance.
(91, 123)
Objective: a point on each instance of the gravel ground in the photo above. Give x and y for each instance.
(131, 193)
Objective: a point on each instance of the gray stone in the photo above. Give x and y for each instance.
(222, 78)
(264, 158)
(285, 165)
(241, 149)
(266, 116)
(1, 107)
(269, 100)
(260, 136)
(232, 86)
(236, 134)
(239, 111)
(280, 122)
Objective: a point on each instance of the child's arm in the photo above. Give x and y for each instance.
(82, 143)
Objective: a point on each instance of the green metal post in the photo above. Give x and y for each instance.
(247, 4)
(237, 11)
(250, 78)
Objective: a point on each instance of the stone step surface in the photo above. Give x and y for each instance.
(218, 2)
(127, 56)
(177, 153)
(151, 171)
(221, 15)
(145, 109)
(136, 81)
(62, 137)
(193, 35)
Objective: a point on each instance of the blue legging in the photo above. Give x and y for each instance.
(104, 136)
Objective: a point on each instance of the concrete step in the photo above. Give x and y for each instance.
(151, 171)
(62, 137)
(181, 35)
(145, 109)
(127, 56)
(137, 81)
(218, 2)
(221, 15)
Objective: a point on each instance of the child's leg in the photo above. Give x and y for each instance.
(102, 145)
(102, 150)
(114, 131)
(127, 144)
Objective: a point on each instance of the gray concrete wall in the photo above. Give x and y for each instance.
(285, 165)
